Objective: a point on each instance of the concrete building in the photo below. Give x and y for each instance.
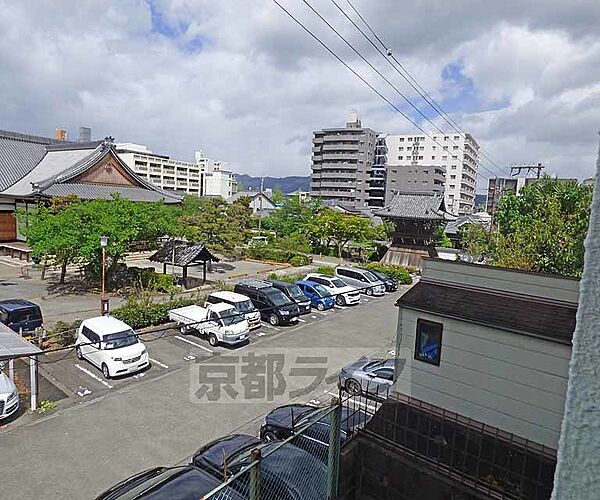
(342, 161)
(205, 177)
(414, 178)
(455, 153)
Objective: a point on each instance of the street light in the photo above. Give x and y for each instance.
(104, 307)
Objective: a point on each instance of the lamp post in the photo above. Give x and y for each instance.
(104, 307)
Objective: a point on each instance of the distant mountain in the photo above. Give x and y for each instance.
(286, 184)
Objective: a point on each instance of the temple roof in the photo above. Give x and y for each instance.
(186, 253)
(418, 206)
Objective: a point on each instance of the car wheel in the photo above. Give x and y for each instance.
(273, 319)
(321, 306)
(269, 436)
(183, 329)
(353, 387)
(340, 300)
(79, 353)
(369, 291)
(213, 340)
(105, 371)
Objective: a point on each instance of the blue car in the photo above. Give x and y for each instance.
(319, 296)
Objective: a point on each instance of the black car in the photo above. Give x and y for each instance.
(284, 468)
(391, 285)
(175, 483)
(294, 293)
(274, 306)
(21, 316)
(282, 422)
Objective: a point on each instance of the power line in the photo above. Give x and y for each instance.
(407, 76)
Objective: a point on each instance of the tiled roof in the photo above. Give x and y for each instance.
(186, 253)
(19, 154)
(105, 192)
(533, 316)
(428, 206)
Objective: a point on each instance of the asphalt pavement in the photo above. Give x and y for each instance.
(106, 430)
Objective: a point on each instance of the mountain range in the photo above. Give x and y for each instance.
(286, 184)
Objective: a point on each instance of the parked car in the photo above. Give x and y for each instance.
(241, 303)
(391, 285)
(294, 293)
(21, 315)
(362, 279)
(273, 305)
(177, 483)
(111, 345)
(9, 396)
(371, 377)
(220, 323)
(284, 421)
(284, 469)
(344, 294)
(318, 295)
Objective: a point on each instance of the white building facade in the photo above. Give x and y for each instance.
(457, 153)
(205, 177)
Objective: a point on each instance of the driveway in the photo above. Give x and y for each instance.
(115, 428)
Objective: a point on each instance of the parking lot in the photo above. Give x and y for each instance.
(153, 417)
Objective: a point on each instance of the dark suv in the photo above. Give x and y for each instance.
(21, 315)
(294, 293)
(274, 306)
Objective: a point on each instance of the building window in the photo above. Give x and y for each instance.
(401, 139)
(433, 157)
(420, 157)
(400, 157)
(401, 148)
(428, 343)
(410, 139)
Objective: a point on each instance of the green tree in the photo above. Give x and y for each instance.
(293, 216)
(475, 240)
(277, 196)
(338, 229)
(442, 239)
(543, 228)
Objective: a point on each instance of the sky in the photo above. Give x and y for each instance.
(244, 83)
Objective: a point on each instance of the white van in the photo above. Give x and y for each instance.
(9, 396)
(241, 303)
(111, 345)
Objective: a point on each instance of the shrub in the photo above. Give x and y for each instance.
(139, 313)
(265, 252)
(65, 333)
(300, 260)
(148, 278)
(398, 273)
(46, 406)
(328, 270)
(288, 278)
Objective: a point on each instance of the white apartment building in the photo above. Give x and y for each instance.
(205, 177)
(457, 153)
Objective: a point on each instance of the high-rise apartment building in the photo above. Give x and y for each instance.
(205, 177)
(455, 153)
(342, 161)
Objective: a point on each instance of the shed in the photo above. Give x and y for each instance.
(183, 254)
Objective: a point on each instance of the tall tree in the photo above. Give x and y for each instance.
(293, 215)
(277, 196)
(544, 227)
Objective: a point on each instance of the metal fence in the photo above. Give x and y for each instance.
(303, 466)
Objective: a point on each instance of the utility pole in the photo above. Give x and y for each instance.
(536, 168)
(260, 201)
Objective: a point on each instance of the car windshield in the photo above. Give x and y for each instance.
(321, 290)
(244, 306)
(230, 317)
(370, 276)
(338, 283)
(121, 339)
(278, 298)
(296, 293)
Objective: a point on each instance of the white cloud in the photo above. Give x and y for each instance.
(259, 85)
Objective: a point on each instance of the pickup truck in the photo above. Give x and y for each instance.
(221, 323)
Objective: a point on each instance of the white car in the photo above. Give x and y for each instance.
(344, 294)
(111, 345)
(9, 397)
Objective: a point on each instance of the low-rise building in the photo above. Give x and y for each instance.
(260, 203)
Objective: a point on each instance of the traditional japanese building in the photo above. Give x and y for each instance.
(416, 218)
(34, 169)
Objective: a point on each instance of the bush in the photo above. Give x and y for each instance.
(288, 278)
(398, 273)
(300, 260)
(266, 252)
(328, 270)
(65, 333)
(139, 313)
(149, 278)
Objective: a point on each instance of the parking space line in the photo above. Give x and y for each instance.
(193, 343)
(313, 317)
(301, 320)
(339, 307)
(271, 327)
(162, 365)
(321, 313)
(93, 375)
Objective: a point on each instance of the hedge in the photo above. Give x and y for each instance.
(138, 314)
(265, 252)
(398, 273)
(150, 279)
(327, 270)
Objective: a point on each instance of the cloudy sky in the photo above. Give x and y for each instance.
(240, 80)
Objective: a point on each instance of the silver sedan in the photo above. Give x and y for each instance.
(368, 376)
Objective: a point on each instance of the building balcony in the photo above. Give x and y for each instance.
(342, 137)
(340, 147)
(340, 156)
(341, 165)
